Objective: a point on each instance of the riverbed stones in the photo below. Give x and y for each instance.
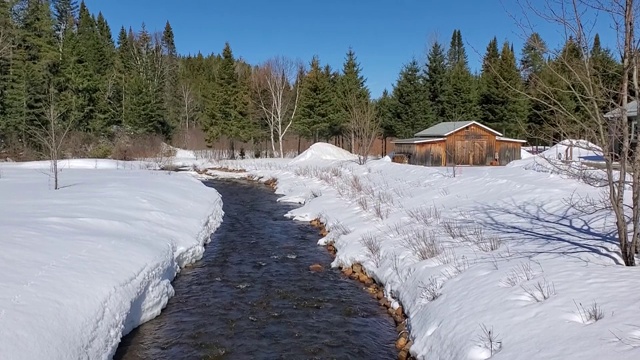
(316, 268)
(400, 343)
(347, 271)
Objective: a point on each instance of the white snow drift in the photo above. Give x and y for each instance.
(490, 263)
(84, 265)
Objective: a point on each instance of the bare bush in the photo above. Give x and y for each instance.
(453, 229)
(422, 244)
(590, 314)
(380, 211)
(522, 272)
(431, 290)
(540, 291)
(340, 229)
(489, 340)
(363, 203)
(476, 236)
(425, 215)
(372, 244)
(356, 184)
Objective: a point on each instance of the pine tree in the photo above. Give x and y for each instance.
(171, 70)
(534, 66)
(33, 63)
(512, 121)
(410, 107)
(228, 112)
(460, 100)
(435, 76)
(384, 109)
(491, 98)
(65, 12)
(6, 41)
(606, 71)
(350, 86)
(316, 103)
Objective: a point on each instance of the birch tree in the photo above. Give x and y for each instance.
(277, 88)
(574, 97)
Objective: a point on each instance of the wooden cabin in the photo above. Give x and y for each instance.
(458, 143)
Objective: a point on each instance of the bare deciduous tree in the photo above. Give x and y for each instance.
(364, 125)
(611, 133)
(277, 87)
(51, 134)
(188, 108)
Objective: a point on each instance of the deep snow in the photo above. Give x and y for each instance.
(514, 258)
(83, 265)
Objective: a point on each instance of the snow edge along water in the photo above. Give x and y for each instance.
(150, 290)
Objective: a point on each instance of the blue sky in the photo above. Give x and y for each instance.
(384, 34)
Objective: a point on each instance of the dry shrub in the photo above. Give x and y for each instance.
(132, 147)
(372, 244)
(422, 244)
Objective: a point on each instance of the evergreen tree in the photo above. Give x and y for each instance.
(435, 76)
(228, 113)
(460, 98)
(171, 70)
(33, 63)
(316, 104)
(384, 109)
(6, 41)
(350, 87)
(65, 12)
(410, 107)
(512, 121)
(491, 99)
(606, 71)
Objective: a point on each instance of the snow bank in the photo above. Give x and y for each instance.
(524, 154)
(521, 244)
(579, 149)
(86, 264)
(324, 151)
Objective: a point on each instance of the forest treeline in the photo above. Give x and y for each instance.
(59, 60)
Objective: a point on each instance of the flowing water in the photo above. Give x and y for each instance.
(252, 296)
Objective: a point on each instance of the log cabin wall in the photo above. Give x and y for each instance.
(472, 145)
(508, 151)
(426, 154)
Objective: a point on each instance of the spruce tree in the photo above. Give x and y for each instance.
(384, 109)
(350, 87)
(606, 71)
(435, 77)
(409, 102)
(33, 65)
(512, 120)
(7, 129)
(316, 104)
(491, 98)
(460, 100)
(171, 69)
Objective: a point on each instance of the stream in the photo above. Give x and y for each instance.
(252, 295)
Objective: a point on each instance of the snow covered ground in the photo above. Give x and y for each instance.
(491, 263)
(83, 265)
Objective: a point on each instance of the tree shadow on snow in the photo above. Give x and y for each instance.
(572, 233)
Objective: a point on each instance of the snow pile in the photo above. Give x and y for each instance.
(574, 150)
(524, 154)
(492, 249)
(324, 151)
(86, 264)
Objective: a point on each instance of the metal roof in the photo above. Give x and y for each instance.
(417, 140)
(632, 110)
(501, 138)
(448, 127)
